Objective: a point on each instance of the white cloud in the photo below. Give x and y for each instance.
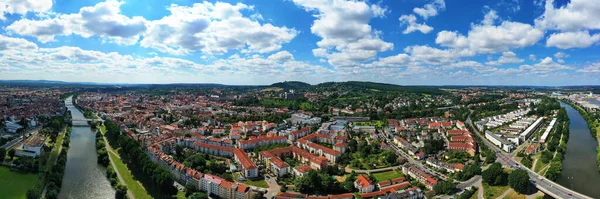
(546, 65)
(20, 57)
(566, 40)
(22, 7)
(576, 15)
(532, 57)
(15, 44)
(560, 55)
(214, 28)
(592, 68)
(411, 25)
(430, 9)
(347, 37)
(490, 18)
(507, 57)
(392, 61)
(488, 38)
(463, 64)
(103, 20)
(281, 56)
(434, 56)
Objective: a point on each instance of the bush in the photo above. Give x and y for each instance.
(120, 191)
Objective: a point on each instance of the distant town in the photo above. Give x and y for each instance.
(296, 140)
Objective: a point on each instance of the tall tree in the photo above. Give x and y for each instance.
(519, 180)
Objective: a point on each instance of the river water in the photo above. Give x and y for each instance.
(579, 166)
(83, 178)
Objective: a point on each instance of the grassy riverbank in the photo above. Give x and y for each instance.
(593, 125)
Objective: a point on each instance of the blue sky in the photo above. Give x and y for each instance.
(408, 42)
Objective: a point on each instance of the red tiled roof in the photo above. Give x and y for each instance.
(244, 159)
(363, 181)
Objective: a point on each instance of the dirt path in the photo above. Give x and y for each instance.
(504, 194)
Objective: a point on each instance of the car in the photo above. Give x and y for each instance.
(570, 194)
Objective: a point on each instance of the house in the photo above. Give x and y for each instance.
(422, 176)
(532, 149)
(421, 155)
(364, 184)
(32, 147)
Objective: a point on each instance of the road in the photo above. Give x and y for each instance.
(274, 187)
(547, 186)
(474, 181)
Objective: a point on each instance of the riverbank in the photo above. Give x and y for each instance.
(83, 177)
(579, 166)
(593, 125)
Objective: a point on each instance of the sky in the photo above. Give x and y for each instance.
(258, 42)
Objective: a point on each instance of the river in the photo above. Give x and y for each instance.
(83, 178)
(579, 166)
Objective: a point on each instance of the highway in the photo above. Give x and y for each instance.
(547, 186)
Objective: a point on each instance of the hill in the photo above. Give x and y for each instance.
(287, 85)
(356, 85)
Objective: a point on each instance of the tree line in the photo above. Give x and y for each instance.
(159, 178)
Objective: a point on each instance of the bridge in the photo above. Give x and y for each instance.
(87, 120)
(542, 183)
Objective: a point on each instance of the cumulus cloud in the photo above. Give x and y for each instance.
(560, 55)
(15, 44)
(22, 7)
(489, 38)
(103, 20)
(214, 28)
(506, 58)
(567, 40)
(430, 9)
(591, 68)
(576, 15)
(532, 57)
(347, 39)
(434, 56)
(411, 25)
(392, 61)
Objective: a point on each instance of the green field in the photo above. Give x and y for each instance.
(14, 184)
(256, 183)
(387, 175)
(133, 185)
(493, 191)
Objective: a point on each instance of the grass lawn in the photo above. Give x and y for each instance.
(133, 185)
(342, 178)
(14, 184)
(387, 175)
(256, 183)
(539, 165)
(180, 195)
(54, 153)
(493, 191)
(514, 195)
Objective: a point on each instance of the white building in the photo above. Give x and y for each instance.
(499, 141)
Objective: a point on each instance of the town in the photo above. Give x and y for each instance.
(299, 142)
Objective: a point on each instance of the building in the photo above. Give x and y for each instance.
(32, 147)
(422, 176)
(532, 149)
(499, 141)
(547, 132)
(525, 135)
(299, 118)
(261, 141)
(364, 184)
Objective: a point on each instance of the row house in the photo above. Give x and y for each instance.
(384, 191)
(273, 159)
(222, 188)
(297, 134)
(249, 169)
(390, 182)
(422, 176)
(260, 141)
(452, 168)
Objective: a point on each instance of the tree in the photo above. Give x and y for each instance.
(11, 153)
(120, 191)
(32, 194)
(519, 180)
(190, 189)
(445, 187)
(2, 154)
(198, 195)
(494, 175)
